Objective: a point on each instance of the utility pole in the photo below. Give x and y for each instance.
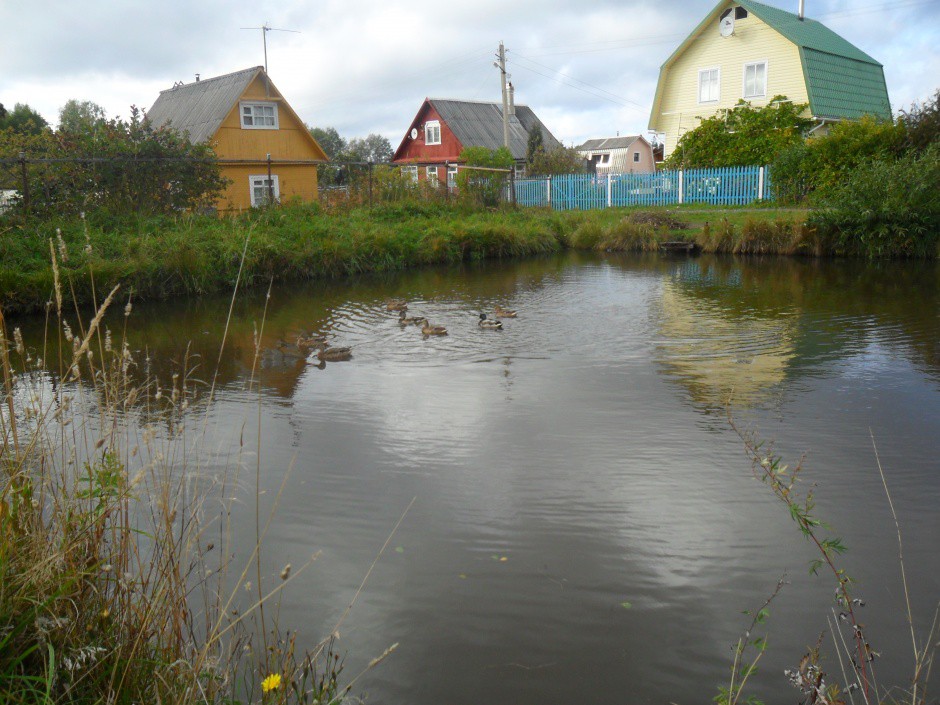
(503, 79)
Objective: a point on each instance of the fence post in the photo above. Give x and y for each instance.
(760, 184)
(512, 185)
(370, 183)
(681, 189)
(22, 156)
(270, 184)
(608, 189)
(548, 190)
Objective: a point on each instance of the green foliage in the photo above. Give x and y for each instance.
(562, 160)
(484, 187)
(373, 148)
(742, 136)
(78, 115)
(22, 120)
(922, 122)
(887, 208)
(329, 139)
(534, 144)
(120, 166)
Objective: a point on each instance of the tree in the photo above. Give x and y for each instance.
(742, 136)
(534, 145)
(561, 160)
(922, 122)
(79, 115)
(484, 187)
(374, 148)
(328, 138)
(23, 120)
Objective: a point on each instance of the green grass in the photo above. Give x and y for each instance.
(165, 257)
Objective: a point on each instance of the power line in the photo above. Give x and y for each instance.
(572, 78)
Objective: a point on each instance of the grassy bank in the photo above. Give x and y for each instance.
(165, 257)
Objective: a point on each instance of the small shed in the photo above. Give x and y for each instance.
(619, 155)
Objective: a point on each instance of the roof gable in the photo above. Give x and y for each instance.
(480, 124)
(199, 108)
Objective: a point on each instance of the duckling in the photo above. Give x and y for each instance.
(489, 323)
(504, 312)
(328, 354)
(396, 305)
(428, 329)
(404, 320)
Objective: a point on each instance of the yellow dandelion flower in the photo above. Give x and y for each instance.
(270, 683)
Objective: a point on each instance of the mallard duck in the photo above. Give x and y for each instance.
(405, 320)
(396, 305)
(328, 354)
(311, 342)
(489, 323)
(504, 312)
(428, 329)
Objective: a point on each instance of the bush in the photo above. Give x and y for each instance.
(887, 208)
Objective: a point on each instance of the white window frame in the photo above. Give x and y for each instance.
(432, 129)
(451, 175)
(636, 157)
(263, 178)
(603, 160)
(410, 172)
(430, 173)
(748, 65)
(519, 171)
(251, 105)
(701, 72)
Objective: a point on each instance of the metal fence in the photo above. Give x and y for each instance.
(721, 187)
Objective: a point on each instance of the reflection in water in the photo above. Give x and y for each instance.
(571, 444)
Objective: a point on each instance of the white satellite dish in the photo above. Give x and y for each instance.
(414, 133)
(726, 23)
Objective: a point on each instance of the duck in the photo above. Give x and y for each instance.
(404, 320)
(327, 354)
(309, 343)
(428, 329)
(489, 323)
(504, 312)
(396, 305)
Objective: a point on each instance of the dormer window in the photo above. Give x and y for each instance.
(258, 116)
(432, 132)
(740, 13)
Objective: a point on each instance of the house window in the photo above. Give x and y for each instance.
(709, 85)
(431, 173)
(451, 176)
(636, 156)
(740, 13)
(603, 159)
(262, 189)
(259, 116)
(410, 173)
(432, 132)
(755, 79)
(519, 171)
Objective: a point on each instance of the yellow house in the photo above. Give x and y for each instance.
(264, 148)
(746, 50)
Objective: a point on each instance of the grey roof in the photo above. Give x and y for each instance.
(200, 107)
(608, 143)
(480, 124)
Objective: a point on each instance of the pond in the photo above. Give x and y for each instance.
(584, 525)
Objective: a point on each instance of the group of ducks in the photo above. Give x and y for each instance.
(327, 353)
(428, 329)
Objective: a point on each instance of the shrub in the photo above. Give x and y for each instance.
(887, 208)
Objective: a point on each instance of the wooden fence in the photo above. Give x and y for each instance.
(720, 187)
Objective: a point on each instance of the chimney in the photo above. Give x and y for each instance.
(800, 15)
(512, 99)
(197, 78)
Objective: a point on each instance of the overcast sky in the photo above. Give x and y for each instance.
(587, 67)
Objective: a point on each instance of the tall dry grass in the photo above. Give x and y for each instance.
(118, 582)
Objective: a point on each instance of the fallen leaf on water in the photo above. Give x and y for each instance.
(626, 605)
(399, 549)
(503, 559)
(462, 576)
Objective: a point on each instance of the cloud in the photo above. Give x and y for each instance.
(364, 66)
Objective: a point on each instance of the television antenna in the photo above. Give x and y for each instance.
(264, 38)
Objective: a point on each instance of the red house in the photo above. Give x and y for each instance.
(443, 128)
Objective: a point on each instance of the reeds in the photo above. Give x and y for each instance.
(117, 577)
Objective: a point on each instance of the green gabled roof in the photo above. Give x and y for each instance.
(806, 33)
(842, 80)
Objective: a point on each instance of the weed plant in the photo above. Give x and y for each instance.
(118, 582)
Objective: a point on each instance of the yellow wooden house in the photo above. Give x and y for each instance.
(746, 50)
(265, 150)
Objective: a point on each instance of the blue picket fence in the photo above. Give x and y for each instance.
(727, 186)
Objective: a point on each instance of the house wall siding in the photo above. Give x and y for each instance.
(290, 141)
(417, 151)
(753, 40)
